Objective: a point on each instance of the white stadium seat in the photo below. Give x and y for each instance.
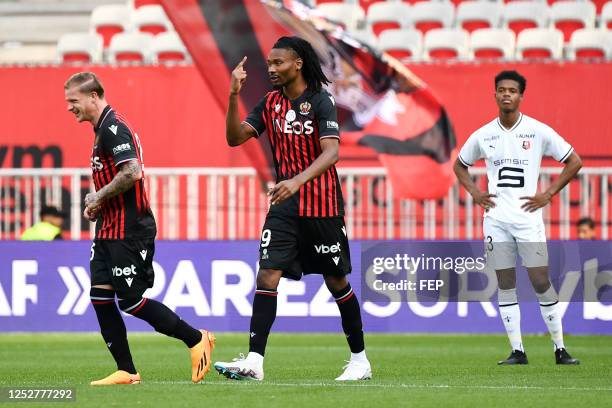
(347, 15)
(365, 36)
(108, 20)
(519, 15)
(386, 15)
(402, 43)
(151, 19)
(446, 43)
(590, 43)
(130, 47)
(606, 16)
(80, 48)
(474, 15)
(168, 47)
(428, 15)
(569, 16)
(539, 43)
(493, 43)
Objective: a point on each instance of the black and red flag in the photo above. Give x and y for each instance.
(381, 104)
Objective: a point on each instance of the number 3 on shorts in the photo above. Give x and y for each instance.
(265, 238)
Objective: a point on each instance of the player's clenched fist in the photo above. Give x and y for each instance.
(238, 77)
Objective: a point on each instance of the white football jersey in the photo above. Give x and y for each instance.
(513, 157)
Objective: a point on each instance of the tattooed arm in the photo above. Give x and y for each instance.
(129, 173)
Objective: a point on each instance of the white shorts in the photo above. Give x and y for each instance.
(503, 241)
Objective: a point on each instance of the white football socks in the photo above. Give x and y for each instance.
(549, 307)
(511, 316)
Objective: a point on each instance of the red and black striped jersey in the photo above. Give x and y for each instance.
(127, 215)
(295, 128)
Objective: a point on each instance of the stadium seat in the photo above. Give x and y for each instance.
(130, 47)
(349, 16)
(139, 3)
(539, 43)
(446, 43)
(606, 16)
(402, 43)
(569, 16)
(493, 43)
(151, 19)
(168, 47)
(388, 15)
(590, 43)
(80, 48)
(474, 15)
(429, 15)
(519, 15)
(108, 20)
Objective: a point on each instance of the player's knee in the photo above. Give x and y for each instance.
(131, 305)
(268, 278)
(100, 296)
(335, 283)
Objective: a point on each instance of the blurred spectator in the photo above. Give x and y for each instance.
(586, 228)
(48, 228)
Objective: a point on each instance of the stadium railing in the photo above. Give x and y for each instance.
(229, 203)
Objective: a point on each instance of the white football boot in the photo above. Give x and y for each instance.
(241, 368)
(355, 370)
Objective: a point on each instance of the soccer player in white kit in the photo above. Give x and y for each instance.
(513, 145)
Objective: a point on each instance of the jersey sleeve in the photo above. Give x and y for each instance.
(327, 120)
(471, 151)
(255, 118)
(119, 143)
(555, 146)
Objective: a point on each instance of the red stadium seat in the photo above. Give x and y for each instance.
(474, 15)
(140, 3)
(79, 48)
(402, 44)
(493, 43)
(537, 53)
(590, 53)
(168, 47)
(130, 47)
(446, 43)
(129, 56)
(569, 16)
(110, 20)
(488, 53)
(521, 15)
(540, 43)
(590, 43)
(443, 54)
(430, 15)
(170, 56)
(151, 19)
(388, 16)
(519, 25)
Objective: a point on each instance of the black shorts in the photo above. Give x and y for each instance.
(127, 265)
(300, 246)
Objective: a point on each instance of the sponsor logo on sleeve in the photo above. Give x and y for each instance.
(332, 124)
(121, 148)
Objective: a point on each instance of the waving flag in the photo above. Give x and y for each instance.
(381, 104)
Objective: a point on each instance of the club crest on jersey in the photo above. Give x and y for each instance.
(277, 107)
(526, 144)
(290, 116)
(305, 108)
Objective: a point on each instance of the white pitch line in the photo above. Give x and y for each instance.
(366, 385)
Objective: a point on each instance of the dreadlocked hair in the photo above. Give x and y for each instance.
(311, 65)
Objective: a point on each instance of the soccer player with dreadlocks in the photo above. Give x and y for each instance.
(304, 232)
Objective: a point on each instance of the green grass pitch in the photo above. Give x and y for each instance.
(409, 370)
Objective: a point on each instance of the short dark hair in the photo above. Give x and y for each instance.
(311, 65)
(87, 82)
(514, 76)
(52, 211)
(586, 221)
